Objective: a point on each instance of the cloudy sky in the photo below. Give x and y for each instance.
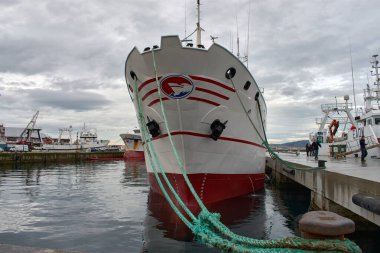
(66, 58)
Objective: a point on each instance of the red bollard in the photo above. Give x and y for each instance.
(325, 225)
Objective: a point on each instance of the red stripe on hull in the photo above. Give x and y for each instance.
(207, 136)
(211, 92)
(198, 78)
(207, 80)
(147, 82)
(210, 188)
(148, 94)
(134, 155)
(204, 101)
(156, 101)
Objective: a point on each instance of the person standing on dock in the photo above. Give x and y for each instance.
(363, 148)
(315, 145)
(308, 149)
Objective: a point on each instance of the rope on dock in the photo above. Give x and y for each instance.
(207, 227)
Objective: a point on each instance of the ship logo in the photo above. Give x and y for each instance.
(176, 86)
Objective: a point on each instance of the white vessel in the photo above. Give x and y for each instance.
(133, 145)
(339, 131)
(215, 112)
(87, 139)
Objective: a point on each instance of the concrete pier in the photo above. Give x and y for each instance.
(337, 183)
(30, 157)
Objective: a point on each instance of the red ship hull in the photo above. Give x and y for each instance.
(210, 187)
(134, 155)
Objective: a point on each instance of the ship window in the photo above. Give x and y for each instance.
(247, 85)
(377, 121)
(369, 122)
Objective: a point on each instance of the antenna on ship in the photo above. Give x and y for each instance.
(232, 42)
(237, 38)
(185, 19)
(245, 57)
(213, 38)
(199, 28)
(375, 62)
(353, 81)
(375, 66)
(249, 16)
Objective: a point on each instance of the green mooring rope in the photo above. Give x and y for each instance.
(207, 227)
(264, 140)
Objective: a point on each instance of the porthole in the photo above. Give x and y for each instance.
(230, 73)
(247, 85)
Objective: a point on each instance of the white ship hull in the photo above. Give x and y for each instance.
(68, 147)
(133, 146)
(232, 165)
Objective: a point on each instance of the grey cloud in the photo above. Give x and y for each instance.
(79, 48)
(77, 101)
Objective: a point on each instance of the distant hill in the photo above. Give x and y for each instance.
(294, 144)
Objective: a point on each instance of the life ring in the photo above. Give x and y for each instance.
(333, 128)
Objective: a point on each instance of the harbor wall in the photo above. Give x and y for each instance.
(35, 157)
(330, 191)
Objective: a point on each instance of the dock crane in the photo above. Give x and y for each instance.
(26, 135)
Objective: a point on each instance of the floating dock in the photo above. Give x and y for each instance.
(348, 182)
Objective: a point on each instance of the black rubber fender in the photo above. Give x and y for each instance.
(369, 202)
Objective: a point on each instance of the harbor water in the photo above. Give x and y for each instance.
(107, 206)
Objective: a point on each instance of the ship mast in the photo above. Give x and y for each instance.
(375, 63)
(199, 29)
(375, 66)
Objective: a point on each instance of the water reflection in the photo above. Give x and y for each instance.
(256, 215)
(106, 206)
(134, 174)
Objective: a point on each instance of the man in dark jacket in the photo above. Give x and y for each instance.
(363, 148)
(316, 146)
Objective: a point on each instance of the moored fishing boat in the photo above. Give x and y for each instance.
(209, 105)
(87, 140)
(133, 145)
(339, 131)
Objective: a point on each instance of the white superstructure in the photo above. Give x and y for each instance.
(339, 131)
(86, 139)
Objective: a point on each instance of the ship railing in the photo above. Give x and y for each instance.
(375, 107)
(336, 107)
(341, 119)
(355, 145)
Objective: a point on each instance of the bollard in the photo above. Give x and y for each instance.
(321, 163)
(325, 225)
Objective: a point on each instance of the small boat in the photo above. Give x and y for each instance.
(215, 113)
(133, 145)
(339, 131)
